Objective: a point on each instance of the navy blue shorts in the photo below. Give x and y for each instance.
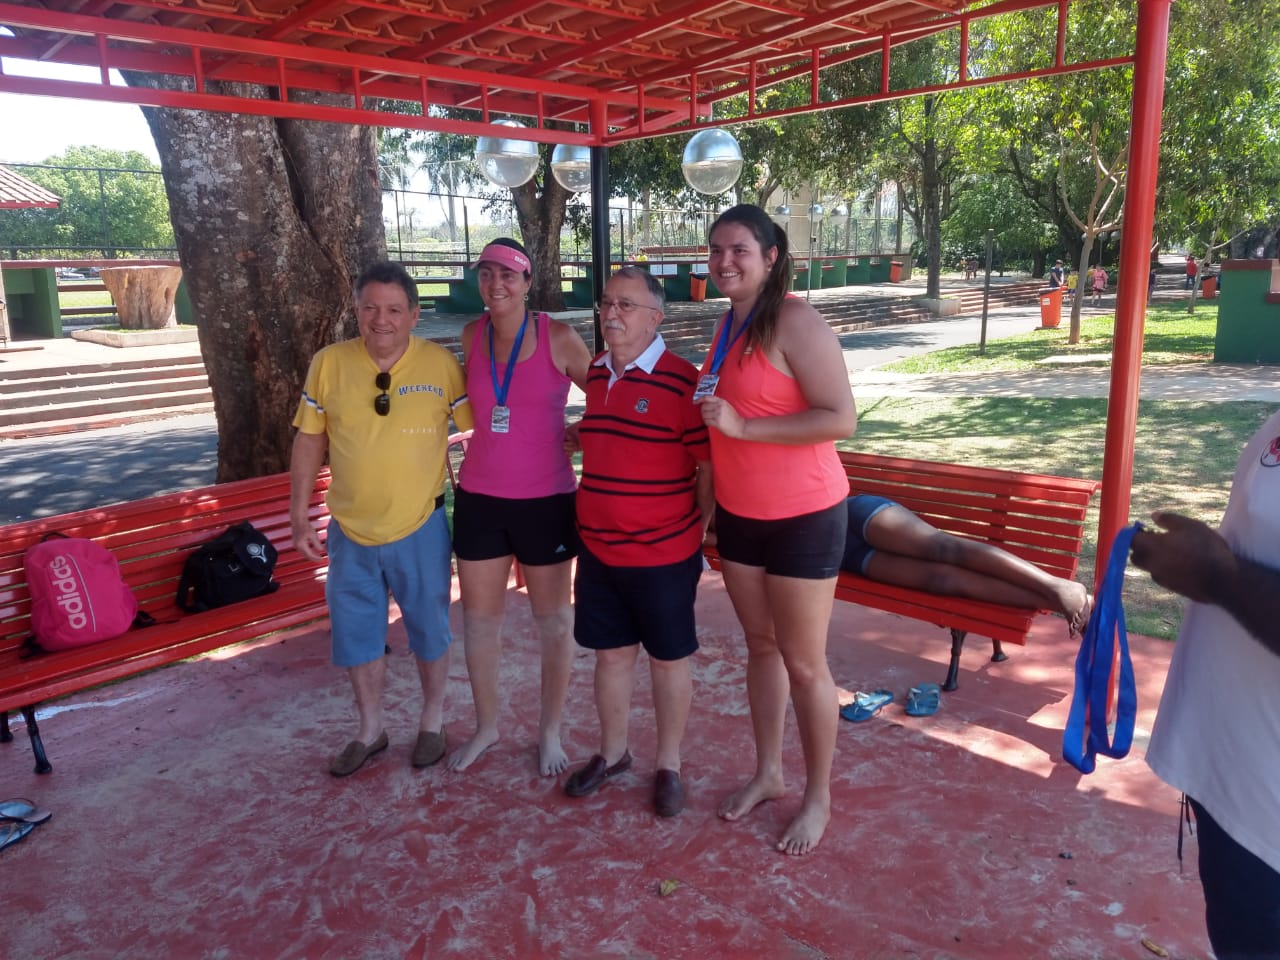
(1241, 895)
(856, 549)
(621, 606)
(808, 547)
(538, 532)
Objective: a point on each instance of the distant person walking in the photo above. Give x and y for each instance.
(1056, 275)
(1192, 269)
(1099, 284)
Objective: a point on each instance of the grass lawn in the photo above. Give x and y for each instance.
(1184, 457)
(1170, 336)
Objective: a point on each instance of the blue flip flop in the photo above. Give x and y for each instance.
(13, 831)
(923, 700)
(866, 705)
(21, 810)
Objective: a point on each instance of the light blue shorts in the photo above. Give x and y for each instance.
(415, 570)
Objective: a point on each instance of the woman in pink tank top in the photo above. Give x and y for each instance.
(515, 495)
(775, 394)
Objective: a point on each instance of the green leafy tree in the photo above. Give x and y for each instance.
(112, 201)
(1220, 154)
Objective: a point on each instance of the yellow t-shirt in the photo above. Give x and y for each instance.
(387, 471)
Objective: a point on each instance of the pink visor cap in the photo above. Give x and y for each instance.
(504, 256)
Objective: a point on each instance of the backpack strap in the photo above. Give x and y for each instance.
(1089, 702)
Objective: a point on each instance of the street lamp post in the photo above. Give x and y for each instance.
(815, 235)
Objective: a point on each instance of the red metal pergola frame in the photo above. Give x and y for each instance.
(603, 71)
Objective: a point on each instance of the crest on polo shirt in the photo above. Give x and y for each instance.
(1271, 455)
(642, 405)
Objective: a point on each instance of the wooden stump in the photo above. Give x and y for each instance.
(143, 295)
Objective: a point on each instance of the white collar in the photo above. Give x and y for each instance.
(647, 360)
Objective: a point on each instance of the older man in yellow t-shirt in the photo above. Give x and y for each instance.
(379, 407)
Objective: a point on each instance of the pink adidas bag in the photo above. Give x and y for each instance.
(77, 594)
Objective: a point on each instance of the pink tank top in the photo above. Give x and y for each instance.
(529, 460)
(769, 481)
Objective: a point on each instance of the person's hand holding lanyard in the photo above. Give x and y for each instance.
(500, 421)
(716, 412)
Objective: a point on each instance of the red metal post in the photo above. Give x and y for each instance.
(1135, 260)
(1135, 265)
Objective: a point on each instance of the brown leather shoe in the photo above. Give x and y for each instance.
(590, 778)
(428, 748)
(668, 793)
(354, 754)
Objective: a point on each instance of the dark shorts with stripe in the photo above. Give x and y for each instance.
(808, 547)
(538, 532)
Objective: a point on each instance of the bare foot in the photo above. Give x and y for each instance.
(551, 756)
(745, 799)
(1077, 621)
(805, 832)
(470, 751)
(1075, 603)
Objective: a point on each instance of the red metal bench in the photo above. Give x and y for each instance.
(151, 539)
(1036, 516)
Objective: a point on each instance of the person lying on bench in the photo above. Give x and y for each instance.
(890, 544)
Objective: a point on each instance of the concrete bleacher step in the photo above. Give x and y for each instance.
(142, 405)
(57, 399)
(78, 392)
(34, 381)
(98, 422)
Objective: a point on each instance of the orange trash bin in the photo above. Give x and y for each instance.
(1209, 287)
(895, 271)
(1050, 307)
(697, 288)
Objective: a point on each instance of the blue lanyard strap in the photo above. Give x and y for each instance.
(500, 393)
(723, 342)
(1089, 702)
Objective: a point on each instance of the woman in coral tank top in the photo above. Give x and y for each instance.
(775, 394)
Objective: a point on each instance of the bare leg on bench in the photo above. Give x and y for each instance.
(911, 553)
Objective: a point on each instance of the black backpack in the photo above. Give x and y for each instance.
(235, 566)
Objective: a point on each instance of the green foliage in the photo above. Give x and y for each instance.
(111, 200)
(1220, 154)
(994, 202)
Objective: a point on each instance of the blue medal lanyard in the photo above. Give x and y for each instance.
(724, 343)
(500, 393)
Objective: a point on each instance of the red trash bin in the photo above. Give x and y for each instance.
(697, 287)
(895, 271)
(1050, 307)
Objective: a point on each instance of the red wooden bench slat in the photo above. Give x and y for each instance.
(153, 531)
(151, 538)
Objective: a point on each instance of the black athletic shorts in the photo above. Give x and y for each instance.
(538, 532)
(808, 547)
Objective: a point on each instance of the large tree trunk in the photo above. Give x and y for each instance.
(274, 219)
(540, 212)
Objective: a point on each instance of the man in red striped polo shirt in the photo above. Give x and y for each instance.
(643, 505)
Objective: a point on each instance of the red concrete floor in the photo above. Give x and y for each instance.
(194, 817)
